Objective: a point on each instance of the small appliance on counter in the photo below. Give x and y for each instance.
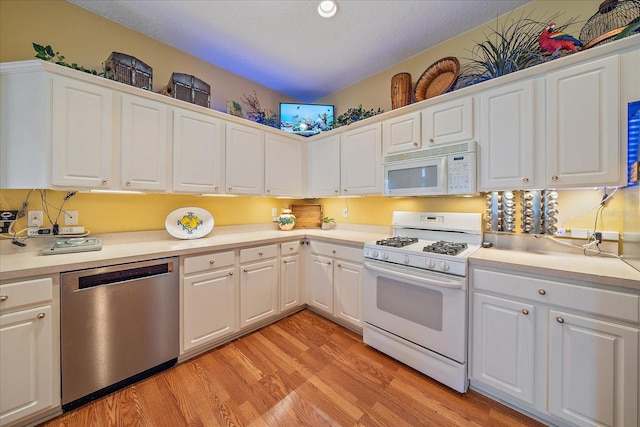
(65, 245)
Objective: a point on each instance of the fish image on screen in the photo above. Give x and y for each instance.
(305, 119)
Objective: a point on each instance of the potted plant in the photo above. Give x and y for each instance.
(327, 223)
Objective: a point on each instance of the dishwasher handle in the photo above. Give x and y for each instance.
(112, 275)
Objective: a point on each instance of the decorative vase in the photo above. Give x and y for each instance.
(400, 90)
(286, 220)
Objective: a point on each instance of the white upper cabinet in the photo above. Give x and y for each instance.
(284, 170)
(324, 166)
(506, 137)
(582, 122)
(244, 160)
(143, 143)
(197, 152)
(446, 122)
(401, 133)
(361, 161)
(82, 132)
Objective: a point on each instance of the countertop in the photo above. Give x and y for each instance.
(118, 248)
(600, 270)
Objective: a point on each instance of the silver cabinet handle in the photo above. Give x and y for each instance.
(260, 253)
(245, 270)
(40, 315)
(336, 191)
(525, 180)
(104, 182)
(230, 188)
(268, 191)
(525, 311)
(329, 263)
(128, 183)
(339, 265)
(212, 261)
(3, 298)
(415, 144)
(554, 178)
(559, 319)
(333, 251)
(284, 261)
(216, 188)
(431, 140)
(231, 273)
(542, 292)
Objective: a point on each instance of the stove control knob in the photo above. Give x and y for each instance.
(444, 266)
(429, 263)
(375, 254)
(385, 256)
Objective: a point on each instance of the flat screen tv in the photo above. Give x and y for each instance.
(305, 119)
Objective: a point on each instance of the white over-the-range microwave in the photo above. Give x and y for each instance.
(442, 170)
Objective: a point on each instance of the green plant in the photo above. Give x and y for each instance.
(46, 53)
(510, 46)
(257, 114)
(355, 114)
(327, 220)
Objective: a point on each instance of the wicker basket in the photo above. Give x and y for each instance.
(612, 17)
(189, 88)
(126, 69)
(439, 78)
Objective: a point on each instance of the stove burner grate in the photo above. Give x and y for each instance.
(397, 242)
(444, 247)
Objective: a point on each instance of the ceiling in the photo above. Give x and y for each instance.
(286, 46)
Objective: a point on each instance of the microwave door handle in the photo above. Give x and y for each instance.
(443, 283)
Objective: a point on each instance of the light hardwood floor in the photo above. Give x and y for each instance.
(301, 371)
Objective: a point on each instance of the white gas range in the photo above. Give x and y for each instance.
(415, 292)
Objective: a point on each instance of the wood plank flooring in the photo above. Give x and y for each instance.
(301, 371)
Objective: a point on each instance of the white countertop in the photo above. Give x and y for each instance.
(601, 270)
(117, 248)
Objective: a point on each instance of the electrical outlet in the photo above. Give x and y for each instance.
(34, 218)
(274, 214)
(71, 218)
(71, 230)
(345, 213)
(4, 226)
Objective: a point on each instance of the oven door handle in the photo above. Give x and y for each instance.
(440, 282)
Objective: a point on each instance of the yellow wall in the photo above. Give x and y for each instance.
(88, 39)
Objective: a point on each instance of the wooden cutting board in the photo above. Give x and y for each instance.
(307, 216)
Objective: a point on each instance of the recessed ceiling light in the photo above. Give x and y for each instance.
(327, 8)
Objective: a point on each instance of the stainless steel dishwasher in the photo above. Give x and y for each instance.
(119, 324)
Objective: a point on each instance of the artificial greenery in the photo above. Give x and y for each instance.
(46, 53)
(355, 114)
(511, 46)
(257, 114)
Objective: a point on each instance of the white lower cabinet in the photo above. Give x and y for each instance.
(258, 284)
(290, 275)
(566, 351)
(29, 350)
(209, 299)
(334, 281)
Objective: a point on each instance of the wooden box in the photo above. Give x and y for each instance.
(189, 88)
(126, 69)
(307, 216)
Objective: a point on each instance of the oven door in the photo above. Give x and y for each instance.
(424, 307)
(419, 177)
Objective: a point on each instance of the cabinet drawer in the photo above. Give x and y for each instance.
(349, 253)
(258, 253)
(28, 292)
(195, 264)
(619, 305)
(289, 248)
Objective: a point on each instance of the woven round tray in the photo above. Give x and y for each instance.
(437, 79)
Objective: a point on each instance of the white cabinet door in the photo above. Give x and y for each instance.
(361, 161)
(284, 171)
(401, 133)
(258, 292)
(348, 278)
(143, 144)
(209, 307)
(26, 363)
(290, 281)
(507, 135)
(82, 129)
(197, 152)
(503, 345)
(593, 371)
(324, 166)
(320, 283)
(446, 122)
(583, 142)
(244, 160)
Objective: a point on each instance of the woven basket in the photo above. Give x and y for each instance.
(612, 17)
(188, 88)
(439, 78)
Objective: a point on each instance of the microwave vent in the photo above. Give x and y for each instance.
(439, 151)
